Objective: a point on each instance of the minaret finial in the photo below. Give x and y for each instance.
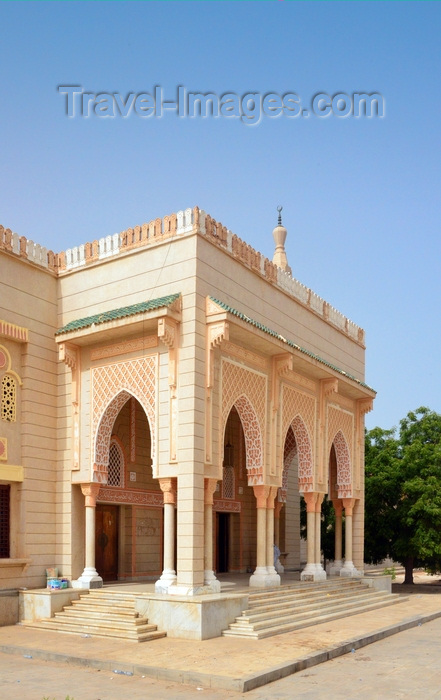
(279, 209)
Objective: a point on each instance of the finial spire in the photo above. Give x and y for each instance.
(279, 209)
(279, 234)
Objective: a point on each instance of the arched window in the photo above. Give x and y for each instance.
(115, 476)
(9, 399)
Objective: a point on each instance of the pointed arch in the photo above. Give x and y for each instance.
(253, 438)
(112, 386)
(344, 470)
(304, 451)
(104, 433)
(289, 455)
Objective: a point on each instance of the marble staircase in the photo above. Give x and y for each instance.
(295, 606)
(102, 614)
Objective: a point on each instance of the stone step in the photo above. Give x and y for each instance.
(304, 588)
(298, 598)
(250, 633)
(104, 609)
(264, 612)
(102, 615)
(296, 606)
(93, 616)
(143, 634)
(263, 619)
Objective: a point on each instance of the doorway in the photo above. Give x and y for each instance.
(223, 542)
(106, 541)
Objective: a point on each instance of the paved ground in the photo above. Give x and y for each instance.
(403, 665)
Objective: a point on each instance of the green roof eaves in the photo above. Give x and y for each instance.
(122, 312)
(290, 343)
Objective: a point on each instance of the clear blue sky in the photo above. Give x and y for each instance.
(361, 197)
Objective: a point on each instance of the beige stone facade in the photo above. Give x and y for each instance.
(168, 394)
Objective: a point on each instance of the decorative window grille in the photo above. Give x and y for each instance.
(115, 472)
(4, 521)
(9, 398)
(228, 482)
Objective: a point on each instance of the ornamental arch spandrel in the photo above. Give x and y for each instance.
(246, 389)
(112, 386)
(340, 434)
(299, 420)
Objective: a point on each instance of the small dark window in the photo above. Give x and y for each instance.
(4, 521)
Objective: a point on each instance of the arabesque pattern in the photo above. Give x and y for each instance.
(341, 432)
(299, 412)
(246, 390)
(289, 454)
(112, 386)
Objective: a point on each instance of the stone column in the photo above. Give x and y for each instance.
(321, 573)
(309, 571)
(273, 578)
(90, 577)
(258, 578)
(338, 549)
(210, 579)
(348, 567)
(277, 510)
(168, 577)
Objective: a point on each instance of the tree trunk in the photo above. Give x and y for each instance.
(408, 568)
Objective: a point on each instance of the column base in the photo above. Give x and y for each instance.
(182, 589)
(335, 567)
(262, 578)
(167, 579)
(211, 581)
(349, 570)
(313, 572)
(88, 579)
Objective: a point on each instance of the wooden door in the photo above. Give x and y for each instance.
(106, 542)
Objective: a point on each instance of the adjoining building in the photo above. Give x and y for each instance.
(168, 394)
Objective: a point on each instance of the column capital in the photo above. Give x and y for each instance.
(168, 487)
(338, 506)
(209, 489)
(348, 505)
(271, 496)
(310, 500)
(90, 491)
(261, 493)
(319, 501)
(277, 508)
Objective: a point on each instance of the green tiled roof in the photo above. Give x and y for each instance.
(290, 343)
(123, 312)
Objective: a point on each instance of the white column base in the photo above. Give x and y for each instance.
(167, 579)
(211, 581)
(263, 578)
(335, 567)
(181, 589)
(313, 572)
(88, 579)
(349, 570)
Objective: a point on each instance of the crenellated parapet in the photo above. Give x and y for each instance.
(27, 249)
(157, 230)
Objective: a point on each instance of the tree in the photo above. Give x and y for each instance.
(403, 492)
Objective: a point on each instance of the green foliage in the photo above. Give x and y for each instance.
(403, 492)
(390, 572)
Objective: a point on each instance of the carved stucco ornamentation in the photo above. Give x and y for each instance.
(70, 355)
(112, 386)
(168, 332)
(299, 413)
(243, 354)
(341, 432)
(126, 496)
(127, 346)
(217, 333)
(246, 389)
